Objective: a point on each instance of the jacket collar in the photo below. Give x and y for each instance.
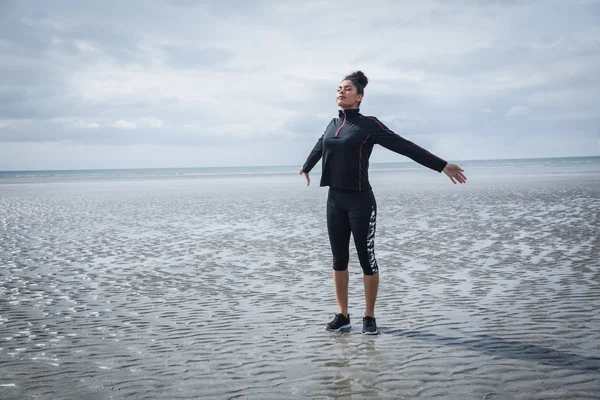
(348, 113)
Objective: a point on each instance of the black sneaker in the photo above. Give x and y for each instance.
(339, 323)
(369, 326)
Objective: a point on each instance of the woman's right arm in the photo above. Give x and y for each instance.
(313, 158)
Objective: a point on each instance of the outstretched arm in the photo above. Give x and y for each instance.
(385, 137)
(392, 141)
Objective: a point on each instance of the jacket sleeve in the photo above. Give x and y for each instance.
(385, 137)
(316, 153)
(314, 156)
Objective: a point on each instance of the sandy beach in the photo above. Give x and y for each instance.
(220, 287)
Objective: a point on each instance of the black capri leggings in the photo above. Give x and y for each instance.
(356, 213)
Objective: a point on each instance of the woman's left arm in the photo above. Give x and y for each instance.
(385, 137)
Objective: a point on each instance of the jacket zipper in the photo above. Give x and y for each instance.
(341, 126)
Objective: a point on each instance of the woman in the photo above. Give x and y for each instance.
(345, 147)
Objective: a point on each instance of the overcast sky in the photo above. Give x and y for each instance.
(193, 83)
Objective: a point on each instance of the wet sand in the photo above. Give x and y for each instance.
(220, 288)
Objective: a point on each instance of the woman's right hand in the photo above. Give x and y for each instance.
(306, 175)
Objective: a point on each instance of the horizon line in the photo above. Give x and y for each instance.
(284, 165)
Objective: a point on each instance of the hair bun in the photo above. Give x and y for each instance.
(359, 77)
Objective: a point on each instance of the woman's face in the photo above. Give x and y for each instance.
(347, 97)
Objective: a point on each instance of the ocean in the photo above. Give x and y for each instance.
(528, 166)
(215, 283)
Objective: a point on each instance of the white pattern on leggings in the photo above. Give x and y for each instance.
(371, 241)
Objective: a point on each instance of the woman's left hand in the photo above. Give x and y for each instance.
(455, 173)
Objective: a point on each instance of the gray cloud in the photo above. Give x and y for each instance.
(229, 73)
(189, 56)
(30, 91)
(305, 126)
(223, 7)
(114, 42)
(38, 131)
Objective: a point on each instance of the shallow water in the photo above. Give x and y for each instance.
(219, 287)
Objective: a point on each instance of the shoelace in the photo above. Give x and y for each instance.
(338, 318)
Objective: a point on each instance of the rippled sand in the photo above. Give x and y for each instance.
(220, 288)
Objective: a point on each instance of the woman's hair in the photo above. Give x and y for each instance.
(359, 80)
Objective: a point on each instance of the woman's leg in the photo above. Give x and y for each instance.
(340, 283)
(371, 284)
(363, 217)
(338, 228)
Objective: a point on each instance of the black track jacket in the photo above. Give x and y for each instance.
(346, 146)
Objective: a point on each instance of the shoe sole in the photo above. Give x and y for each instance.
(341, 328)
(371, 333)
